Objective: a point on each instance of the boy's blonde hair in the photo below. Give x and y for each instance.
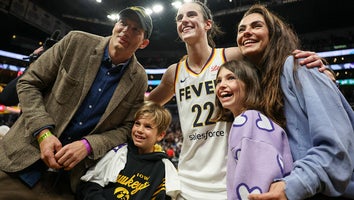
(158, 114)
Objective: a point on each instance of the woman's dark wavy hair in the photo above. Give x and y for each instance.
(282, 42)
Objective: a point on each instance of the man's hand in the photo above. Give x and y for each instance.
(276, 192)
(49, 146)
(311, 59)
(71, 154)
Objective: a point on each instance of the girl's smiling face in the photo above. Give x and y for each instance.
(230, 91)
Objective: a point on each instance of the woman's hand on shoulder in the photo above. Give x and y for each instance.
(310, 59)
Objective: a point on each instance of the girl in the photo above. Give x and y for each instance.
(258, 148)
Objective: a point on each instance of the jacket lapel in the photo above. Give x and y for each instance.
(125, 85)
(93, 66)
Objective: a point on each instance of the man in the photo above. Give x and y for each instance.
(78, 101)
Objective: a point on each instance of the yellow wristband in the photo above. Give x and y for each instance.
(44, 136)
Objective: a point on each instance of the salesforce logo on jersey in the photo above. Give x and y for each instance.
(206, 135)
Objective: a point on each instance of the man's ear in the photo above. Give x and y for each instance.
(144, 44)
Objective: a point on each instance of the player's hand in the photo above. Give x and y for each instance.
(310, 59)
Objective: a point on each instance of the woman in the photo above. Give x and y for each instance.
(317, 118)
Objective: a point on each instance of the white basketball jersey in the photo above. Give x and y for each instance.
(202, 162)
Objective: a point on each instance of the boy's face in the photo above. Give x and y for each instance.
(145, 134)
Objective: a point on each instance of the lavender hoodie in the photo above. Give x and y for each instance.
(258, 154)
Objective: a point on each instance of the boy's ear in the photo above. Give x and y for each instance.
(161, 136)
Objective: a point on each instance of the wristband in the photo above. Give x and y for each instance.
(87, 145)
(44, 136)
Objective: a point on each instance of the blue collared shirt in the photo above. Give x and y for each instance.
(96, 101)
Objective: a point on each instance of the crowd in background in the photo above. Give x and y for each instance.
(172, 142)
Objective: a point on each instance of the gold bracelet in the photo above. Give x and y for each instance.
(45, 135)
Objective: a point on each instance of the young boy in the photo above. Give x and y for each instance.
(138, 169)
